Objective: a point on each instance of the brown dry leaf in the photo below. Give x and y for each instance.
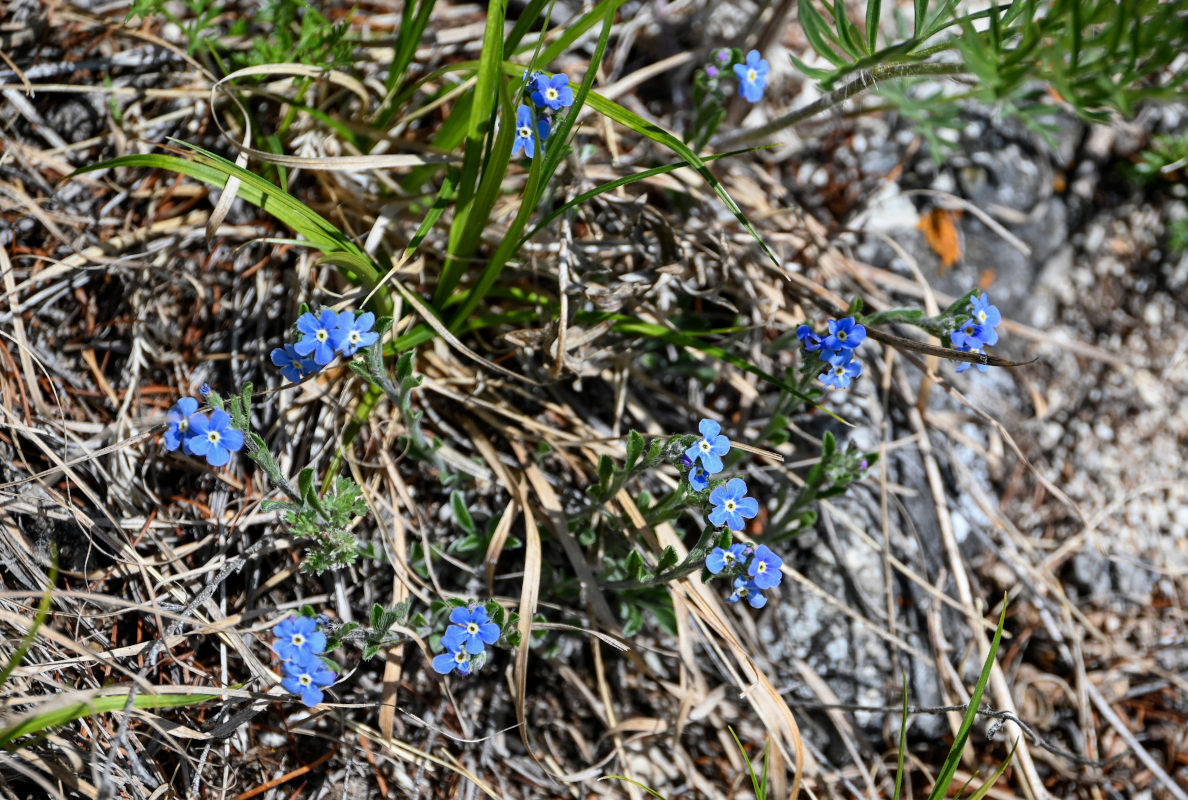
(939, 226)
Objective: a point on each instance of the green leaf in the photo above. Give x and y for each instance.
(634, 619)
(496, 613)
(635, 448)
(819, 34)
(846, 31)
(874, 9)
(668, 558)
(462, 513)
(377, 613)
(305, 487)
(634, 566)
(370, 651)
(606, 471)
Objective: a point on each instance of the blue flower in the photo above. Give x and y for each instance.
(526, 136)
(292, 365)
(306, 675)
(748, 589)
(297, 637)
(752, 77)
(214, 438)
(316, 336)
(810, 340)
(180, 418)
(353, 332)
(710, 448)
(552, 92)
(840, 372)
(764, 568)
(721, 559)
(843, 333)
(472, 630)
(985, 314)
(731, 505)
(452, 659)
(698, 480)
(962, 366)
(973, 335)
(204, 390)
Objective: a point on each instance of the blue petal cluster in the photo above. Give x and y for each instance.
(550, 94)
(298, 642)
(836, 348)
(199, 435)
(731, 505)
(467, 637)
(752, 76)
(322, 337)
(750, 579)
(972, 335)
(710, 448)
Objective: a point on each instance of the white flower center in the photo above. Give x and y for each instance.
(524, 132)
(460, 657)
(472, 628)
(981, 316)
(839, 371)
(761, 568)
(305, 680)
(730, 506)
(752, 75)
(841, 335)
(183, 424)
(298, 639)
(704, 445)
(322, 335)
(213, 437)
(356, 337)
(551, 93)
(728, 558)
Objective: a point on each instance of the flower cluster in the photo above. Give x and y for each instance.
(465, 641)
(836, 349)
(972, 335)
(762, 572)
(323, 336)
(199, 435)
(549, 94)
(751, 73)
(298, 642)
(730, 507)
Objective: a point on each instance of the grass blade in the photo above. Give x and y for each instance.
(949, 768)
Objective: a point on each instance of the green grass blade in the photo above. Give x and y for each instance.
(647, 789)
(95, 704)
(39, 618)
(215, 170)
(543, 167)
(661, 136)
(949, 768)
(528, 17)
(902, 742)
(610, 186)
